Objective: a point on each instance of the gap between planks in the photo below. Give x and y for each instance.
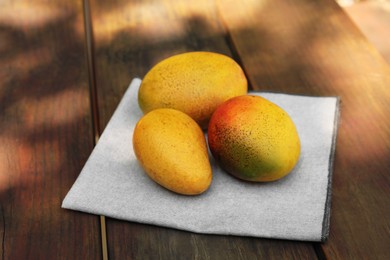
(94, 104)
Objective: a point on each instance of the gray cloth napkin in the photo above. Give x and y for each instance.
(296, 207)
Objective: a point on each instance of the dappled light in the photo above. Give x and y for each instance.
(44, 105)
(22, 63)
(54, 117)
(46, 129)
(22, 174)
(149, 25)
(155, 21)
(48, 71)
(140, 27)
(29, 15)
(37, 83)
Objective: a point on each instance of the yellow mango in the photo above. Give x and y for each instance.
(194, 83)
(172, 150)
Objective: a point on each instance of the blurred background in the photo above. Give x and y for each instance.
(373, 19)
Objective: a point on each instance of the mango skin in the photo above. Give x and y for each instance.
(172, 149)
(253, 139)
(194, 83)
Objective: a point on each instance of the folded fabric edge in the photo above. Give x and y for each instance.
(65, 204)
(326, 220)
(202, 232)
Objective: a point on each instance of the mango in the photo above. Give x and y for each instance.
(253, 139)
(194, 83)
(172, 150)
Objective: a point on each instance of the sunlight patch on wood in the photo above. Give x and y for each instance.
(157, 21)
(21, 14)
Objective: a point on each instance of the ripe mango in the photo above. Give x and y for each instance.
(172, 150)
(253, 139)
(194, 83)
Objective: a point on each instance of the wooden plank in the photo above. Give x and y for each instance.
(130, 37)
(312, 48)
(45, 131)
(373, 19)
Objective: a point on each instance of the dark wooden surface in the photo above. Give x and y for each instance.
(45, 131)
(318, 52)
(61, 80)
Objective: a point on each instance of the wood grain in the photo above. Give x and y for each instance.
(312, 48)
(45, 131)
(130, 37)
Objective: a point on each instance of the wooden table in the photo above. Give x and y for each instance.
(64, 66)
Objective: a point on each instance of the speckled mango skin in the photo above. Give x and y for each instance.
(172, 150)
(194, 83)
(253, 139)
